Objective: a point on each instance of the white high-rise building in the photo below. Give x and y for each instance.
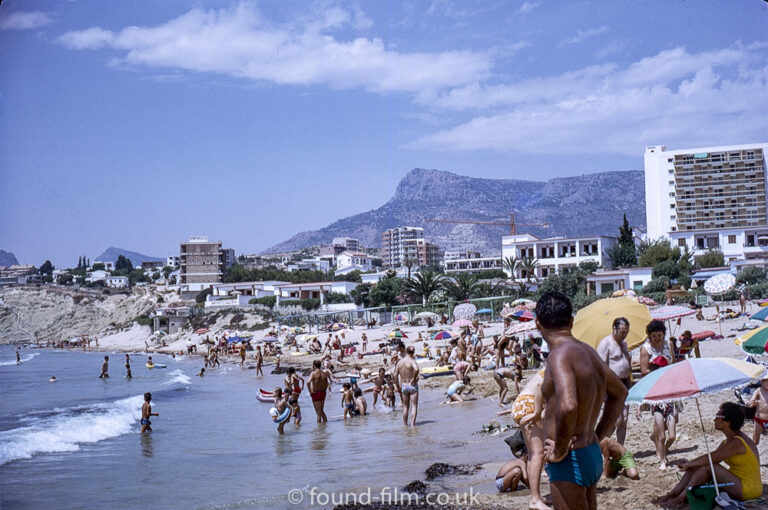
(711, 197)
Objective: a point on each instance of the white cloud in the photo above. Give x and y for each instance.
(529, 6)
(609, 49)
(581, 35)
(239, 42)
(24, 20)
(675, 98)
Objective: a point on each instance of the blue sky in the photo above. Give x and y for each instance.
(138, 124)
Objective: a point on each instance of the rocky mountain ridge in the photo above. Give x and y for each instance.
(576, 206)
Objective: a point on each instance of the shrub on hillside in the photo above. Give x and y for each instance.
(268, 301)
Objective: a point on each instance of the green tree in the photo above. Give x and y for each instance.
(203, 295)
(65, 279)
(47, 267)
(462, 287)
(352, 276)
(751, 275)
(361, 293)
(79, 262)
(711, 258)
(168, 270)
(385, 292)
(409, 262)
(123, 264)
(511, 264)
(423, 285)
(623, 253)
(528, 267)
(336, 297)
(98, 267)
(651, 253)
(490, 289)
(490, 274)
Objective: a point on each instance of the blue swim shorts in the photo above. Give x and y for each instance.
(583, 466)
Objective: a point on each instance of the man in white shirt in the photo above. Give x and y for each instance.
(614, 352)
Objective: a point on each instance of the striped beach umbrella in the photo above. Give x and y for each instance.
(444, 335)
(753, 342)
(761, 315)
(523, 315)
(403, 316)
(397, 334)
(692, 377)
(671, 312)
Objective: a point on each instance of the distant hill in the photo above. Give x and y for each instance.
(572, 206)
(111, 254)
(7, 258)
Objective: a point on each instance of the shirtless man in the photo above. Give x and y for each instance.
(576, 384)
(242, 353)
(105, 368)
(407, 378)
(259, 361)
(760, 400)
(146, 413)
(128, 374)
(614, 352)
(318, 384)
(18, 356)
(293, 382)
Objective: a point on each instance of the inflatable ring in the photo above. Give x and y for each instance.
(282, 417)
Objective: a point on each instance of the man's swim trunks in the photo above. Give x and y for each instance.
(144, 421)
(410, 388)
(626, 461)
(317, 395)
(582, 466)
(762, 423)
(525, 404)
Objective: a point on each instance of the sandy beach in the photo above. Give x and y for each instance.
(620, 492)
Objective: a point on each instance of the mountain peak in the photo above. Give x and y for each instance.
(111, 254)
(572, 206)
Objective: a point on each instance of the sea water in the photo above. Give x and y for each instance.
(75, 443)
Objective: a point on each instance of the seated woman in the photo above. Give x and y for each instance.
(688, 347)
(742, 478)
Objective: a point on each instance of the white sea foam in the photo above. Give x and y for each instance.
(178, 377)
(25, 358)
(65, 432)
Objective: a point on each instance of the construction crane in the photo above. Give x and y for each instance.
(512, 225)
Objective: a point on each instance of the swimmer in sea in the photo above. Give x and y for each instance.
(202, 372)
(18, 356)
(293, 401)
(348, 400)
(407, 378)
(281, 401)
(318, 384)
(128, 367)
(378, 385)
(146, 413)
(104, 368)
(360, 404)
(52, 379)
(389, 392)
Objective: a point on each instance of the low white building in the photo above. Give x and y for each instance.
(354, 258)
(309, 265)
(556, 253)
(611, 280)
(252, 289)
(312, 290)
(116, 282)
(108, 266)
(173, 261)
(96, 276)
(469, 261)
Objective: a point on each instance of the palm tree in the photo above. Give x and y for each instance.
(528, 267)
(424, 284)
(489, 289)
(463, 287)
(409, 262)
(511, 264)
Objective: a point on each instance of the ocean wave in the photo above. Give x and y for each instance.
(178, 377)
(25, 358)
(66, 431)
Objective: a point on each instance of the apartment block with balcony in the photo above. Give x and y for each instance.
(201, 265)
(469, 261)
(709, 198)
(555, 254)
(399, 245)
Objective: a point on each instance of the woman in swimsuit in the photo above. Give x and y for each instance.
(654, 354)
(742, 479)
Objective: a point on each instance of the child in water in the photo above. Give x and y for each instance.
(389, 392)
(293, 401)
(348, 401)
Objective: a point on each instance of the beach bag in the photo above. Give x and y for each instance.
(701, 497)
(660, 361)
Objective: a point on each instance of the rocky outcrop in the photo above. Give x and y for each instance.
(572, 206)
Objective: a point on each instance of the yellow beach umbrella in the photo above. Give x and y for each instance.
(595, 322)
